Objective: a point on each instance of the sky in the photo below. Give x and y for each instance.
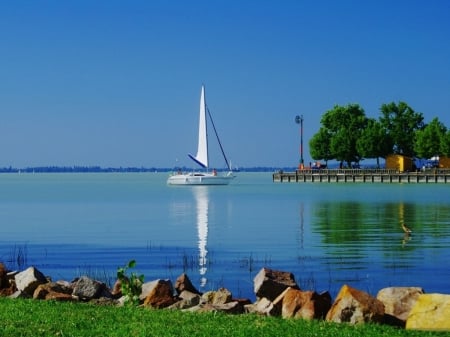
(117, 83)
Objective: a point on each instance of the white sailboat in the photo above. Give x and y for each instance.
(203, 178)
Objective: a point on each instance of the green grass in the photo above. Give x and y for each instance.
(19, 317)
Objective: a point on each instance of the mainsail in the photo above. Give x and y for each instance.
(202, 151)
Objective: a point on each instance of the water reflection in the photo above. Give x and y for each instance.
(201, 198)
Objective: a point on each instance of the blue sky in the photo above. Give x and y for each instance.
(117, 83)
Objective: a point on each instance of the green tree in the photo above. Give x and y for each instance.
(401, 123)
(319, 145)
(344, 124)
(445, 144)
(374, 141)
(429, 140)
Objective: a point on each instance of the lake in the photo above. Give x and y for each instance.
(326, 234)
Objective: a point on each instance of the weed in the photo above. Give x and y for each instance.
(131, 284)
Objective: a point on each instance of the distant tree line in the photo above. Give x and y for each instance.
(348, 135)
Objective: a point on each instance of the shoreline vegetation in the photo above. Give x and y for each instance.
(31, 318)
(32, 304)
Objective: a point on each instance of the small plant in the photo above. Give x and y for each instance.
(131, 285)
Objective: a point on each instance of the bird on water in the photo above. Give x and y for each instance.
(406, 229)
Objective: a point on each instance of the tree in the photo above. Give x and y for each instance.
(319, 145)
(401, 123)
(344, 124)
(429, 141)
(374, 141)
(445, 144)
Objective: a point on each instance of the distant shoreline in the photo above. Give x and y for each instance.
(99, 169)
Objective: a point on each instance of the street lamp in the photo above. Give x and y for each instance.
(299, 120)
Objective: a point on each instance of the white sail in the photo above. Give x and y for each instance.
(202, 151)
(203, 178)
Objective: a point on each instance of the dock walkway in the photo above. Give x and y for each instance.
(363, 176)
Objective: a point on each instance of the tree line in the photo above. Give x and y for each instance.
(348, 135)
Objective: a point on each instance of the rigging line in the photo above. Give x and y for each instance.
(217, 136)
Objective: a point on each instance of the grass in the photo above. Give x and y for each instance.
(20, 317)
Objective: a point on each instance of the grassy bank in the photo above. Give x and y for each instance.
(34, 318)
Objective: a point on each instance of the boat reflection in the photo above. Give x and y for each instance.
(201, 198)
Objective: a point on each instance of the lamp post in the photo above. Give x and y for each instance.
(299, 120)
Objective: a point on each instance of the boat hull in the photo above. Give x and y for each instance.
(199, 179)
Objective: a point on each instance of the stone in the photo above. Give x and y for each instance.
(87, 289)
(4, 282)
(186, 300)
(270, 283)
(355, 306)
(184, 283)
(218, 297)
(305, 304)
(430, 312)
(233, 307)
(160, 295)
(398, 301)
(28, 280)
(53, 291)
(262, 306)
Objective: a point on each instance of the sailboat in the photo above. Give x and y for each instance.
(203, 178)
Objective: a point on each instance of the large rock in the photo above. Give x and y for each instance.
(28, 280)
(305, 304)
(53, 291)
(355, 306)
(184, 283)
(398, 301)
(270, 283)
(218, 297)
(87, 289)
(159, 294)
(430, 312)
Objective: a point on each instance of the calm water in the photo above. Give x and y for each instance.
(325, 234)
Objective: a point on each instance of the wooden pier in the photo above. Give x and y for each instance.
(363, 176)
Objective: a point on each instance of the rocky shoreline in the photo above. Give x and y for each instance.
(277, 294)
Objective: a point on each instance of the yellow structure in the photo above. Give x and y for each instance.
(399, 162)
(444, 162)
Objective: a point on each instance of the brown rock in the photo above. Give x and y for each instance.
(355, 306)
(305, 304)
(161, 295)
(184, 283)
(262, 306)
(430, 312)
(398, 301)
(53, 291)
(218, 297)
(270, 283)
(4, 283)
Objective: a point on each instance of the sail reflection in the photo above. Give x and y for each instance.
(201, 197)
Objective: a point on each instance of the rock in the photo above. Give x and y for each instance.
(87, 289)
(53, 291)
(218, 297)
(262, 306)
(233, 307)
(187, 300)
(184, 283)
(4, 282)
(430, 312)
(355, 306)
(28, 280)
(398, 301)
(305, 304)
(160, 295)
(116, 291)
(270, 283)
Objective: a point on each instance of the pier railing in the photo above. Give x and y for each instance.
(363, 175)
